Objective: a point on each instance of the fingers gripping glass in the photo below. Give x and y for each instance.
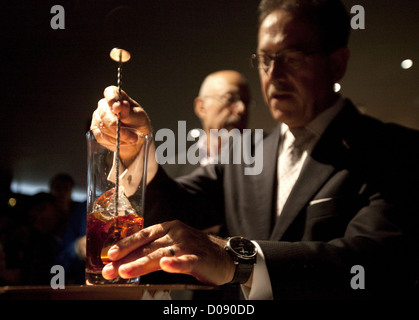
(287, 59)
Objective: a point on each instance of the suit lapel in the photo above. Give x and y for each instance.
(312, 177)
(264, 182)
(329, 154)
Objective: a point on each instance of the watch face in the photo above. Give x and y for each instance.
(243, 247)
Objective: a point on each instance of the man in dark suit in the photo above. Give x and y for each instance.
(333, 213)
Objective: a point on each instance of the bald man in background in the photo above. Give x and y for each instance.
(222, 103)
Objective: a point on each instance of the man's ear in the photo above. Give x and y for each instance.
(339, 62)
(199, 107)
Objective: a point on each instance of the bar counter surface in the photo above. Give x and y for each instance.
(100, 292)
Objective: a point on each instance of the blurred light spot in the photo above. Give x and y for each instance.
(12, 202)
(31, 188)
(336, 87)
(407, 64)
(195, 133)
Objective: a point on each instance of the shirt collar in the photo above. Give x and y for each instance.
(319, 124)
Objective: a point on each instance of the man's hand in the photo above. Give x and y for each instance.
(132, 116)
(195, 253)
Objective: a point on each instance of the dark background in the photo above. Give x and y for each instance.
(52, 79)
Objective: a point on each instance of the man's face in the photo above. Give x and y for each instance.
(223, 104)
(295, 95)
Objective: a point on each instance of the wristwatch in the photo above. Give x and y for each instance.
(243, 252)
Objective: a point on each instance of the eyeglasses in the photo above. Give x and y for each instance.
(288, 59)
(224, 99)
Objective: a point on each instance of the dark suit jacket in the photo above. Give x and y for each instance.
(354, 203)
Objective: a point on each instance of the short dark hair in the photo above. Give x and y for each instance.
(61, 177)
(329, 17)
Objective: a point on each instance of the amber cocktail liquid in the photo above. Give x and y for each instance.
(103, 234)
(104, 229)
